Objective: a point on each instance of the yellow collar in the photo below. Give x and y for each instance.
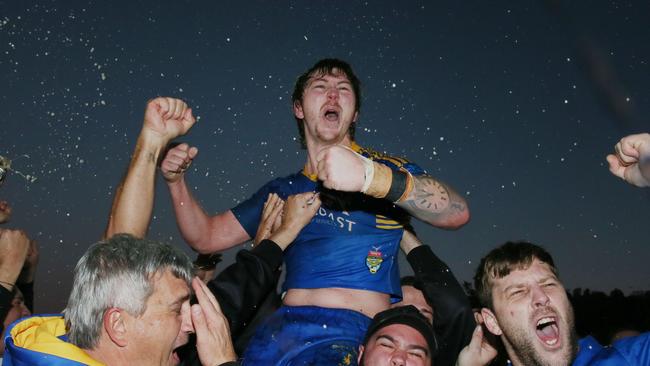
(40, 334)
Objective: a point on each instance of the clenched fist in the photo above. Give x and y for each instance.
(167, 118)
(177, 160)
(631, 160)
(341, 169)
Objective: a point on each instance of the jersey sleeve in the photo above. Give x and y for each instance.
(401, 164)
(395, 163)
(248, 212)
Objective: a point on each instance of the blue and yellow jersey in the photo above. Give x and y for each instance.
(41, 340)
(352, 241)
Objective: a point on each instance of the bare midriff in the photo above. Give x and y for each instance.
(366, 302)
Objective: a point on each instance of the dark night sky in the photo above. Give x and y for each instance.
(514, 104)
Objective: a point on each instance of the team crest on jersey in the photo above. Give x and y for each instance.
(374, 260)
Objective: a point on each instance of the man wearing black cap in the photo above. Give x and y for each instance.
(399, 336)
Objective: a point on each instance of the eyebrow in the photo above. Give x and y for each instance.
(517, 285)
(408, 346)
(521, 285)
(322, 78)
(180, 300)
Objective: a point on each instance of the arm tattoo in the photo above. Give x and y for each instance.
(429, 195)
(432, 200)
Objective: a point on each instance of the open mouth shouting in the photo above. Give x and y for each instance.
(178, 350)
(331, 113)
(548, 332)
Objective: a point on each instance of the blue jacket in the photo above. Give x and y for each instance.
(627, 351)
(41, 340)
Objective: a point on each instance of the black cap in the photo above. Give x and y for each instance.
(408, 315)
(207, 261)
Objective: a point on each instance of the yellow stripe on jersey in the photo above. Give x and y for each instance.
(387, 221)
(389, 227)
(374, 155)
(383, 222)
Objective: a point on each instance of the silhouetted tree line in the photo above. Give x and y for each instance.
(601, 315)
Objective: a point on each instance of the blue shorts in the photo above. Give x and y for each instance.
(308, 335)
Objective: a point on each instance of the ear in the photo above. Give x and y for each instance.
(361, 349)
(356, 116)
(297, 110)
(490, 321)
(115, 327)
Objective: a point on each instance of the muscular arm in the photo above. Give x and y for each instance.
(14, 245)
(429, 200)
(133, 202)
(164, 119)
(204, 233)
(435, 203)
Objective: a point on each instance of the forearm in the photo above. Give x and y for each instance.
(9, 274)
(204, 233)
(133, 203)
(454, 320)
(193, 222)
(435, 203)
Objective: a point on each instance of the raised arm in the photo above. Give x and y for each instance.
(422, 196)
(204, 233)
(164, 119)
(14, 245)
(453, 317)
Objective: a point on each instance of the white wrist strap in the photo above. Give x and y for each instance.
(369, 171)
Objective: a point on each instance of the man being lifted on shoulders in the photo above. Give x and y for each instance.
(342, 268)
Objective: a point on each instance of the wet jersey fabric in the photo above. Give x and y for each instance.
(352, 241)
(41, 340)
(626, 351)
(308, 335)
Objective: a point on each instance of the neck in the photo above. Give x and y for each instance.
(315, 147)
(107, 355)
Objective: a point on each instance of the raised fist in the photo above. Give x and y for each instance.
(341, 169)
(167, 118)
(177, 160)
(631, 160)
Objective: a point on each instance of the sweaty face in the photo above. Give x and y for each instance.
(396, 344)
(164, 326)
(327, 109)
(534, 317)
(413, 296)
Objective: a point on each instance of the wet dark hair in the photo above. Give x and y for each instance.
(500, 261)
(327, 66)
